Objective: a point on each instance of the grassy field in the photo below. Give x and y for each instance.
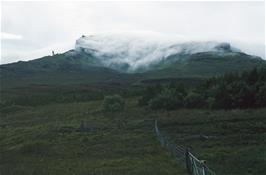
(232, 142)
(81, 139)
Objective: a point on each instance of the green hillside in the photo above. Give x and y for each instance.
(81, 68)
(207, 64)
(60, 69)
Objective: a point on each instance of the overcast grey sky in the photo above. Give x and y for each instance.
(33, 29)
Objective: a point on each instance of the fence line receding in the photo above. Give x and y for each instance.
(193, 165)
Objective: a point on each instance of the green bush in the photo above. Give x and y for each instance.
(261, 95)
(211, 103)
(148, 93)
(194, 100)
(113, 103)
(168, 99)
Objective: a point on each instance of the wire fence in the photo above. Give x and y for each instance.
(193, 165)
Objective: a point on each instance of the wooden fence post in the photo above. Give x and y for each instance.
(188, 161)
(203, 170)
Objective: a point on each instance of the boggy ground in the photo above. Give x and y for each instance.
(81, 139)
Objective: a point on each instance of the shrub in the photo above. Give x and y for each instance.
(211, 103)
(194, 100)
(168, 99)
(261, 95)
(113, 103)
(149, 93)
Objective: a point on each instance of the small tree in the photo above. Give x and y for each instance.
(168, 99)
(211, 103)
(261, 96)
(113, 103)
(194, 100)
(149, 93)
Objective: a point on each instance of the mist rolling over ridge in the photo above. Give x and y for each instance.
(139, 50)
(240, 24)
(155, 54)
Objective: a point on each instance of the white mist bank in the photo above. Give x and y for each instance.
(137, 48)
(141, 49)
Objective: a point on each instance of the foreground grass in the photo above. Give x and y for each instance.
(78, 138)
(233, 142)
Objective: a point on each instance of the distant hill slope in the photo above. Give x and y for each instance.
(66, 68)
(80, 67)
(206, 64)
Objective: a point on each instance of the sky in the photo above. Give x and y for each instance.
(31, 30)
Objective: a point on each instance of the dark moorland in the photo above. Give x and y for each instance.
(64, 115)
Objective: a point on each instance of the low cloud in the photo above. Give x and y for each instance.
(10, 36)
(140, 49)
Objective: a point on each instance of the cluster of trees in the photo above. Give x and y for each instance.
(245, 90)
(170, 96)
